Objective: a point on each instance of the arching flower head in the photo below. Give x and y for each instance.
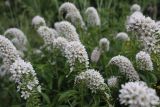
(23, 74)
(69, 11)
(17, 37)
(104, 44)
(7, 51)
(38, 21)
(122, 36)
(144, 61)
(95, 55)
(93, 18)
(125, 66)
(135, 7)
(75, 51)
(92, 79)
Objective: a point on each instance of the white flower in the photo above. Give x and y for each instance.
(66, 8)
(71, 13)
(138, 94)
(92, 78)
(125, 66)
(48, 34)
(147, 31)
(93, 18)
(135, 7)
(144, 61)
(67, 30)
(112, 81)
(104, 44)
(7, 52)
(61, 42)
(25, 94)
(96, 53)
(76, 19)
(142, 25)
(17, 37)
(122, 36)
(151, 43)
(38, 21)
(75, 51)
(23, 74)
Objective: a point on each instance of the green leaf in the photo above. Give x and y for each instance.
(67, 95)
(60, 80)
(46, 98)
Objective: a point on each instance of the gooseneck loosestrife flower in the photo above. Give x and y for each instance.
(125, 66)
(70, 44)
(92, 79)
(95, 55)
(25, 77)
(17, 37)
(61, 42)
(38, 21)
(93, 18)
(112, 81)
(48, 34)
(75, 51)
(69, 12)
(122, 36)
(104, 44)
(67, 40)
(144, 61)
(67, 30)
(138, 94)
(7, 52)
(135, 7)
(147, 31)
(21, 73)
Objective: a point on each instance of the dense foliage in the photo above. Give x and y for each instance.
(91, 66)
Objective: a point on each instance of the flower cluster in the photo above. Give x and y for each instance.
(17, 37)
(147, 31)
(104, 44)
(25, 77)
(61, 42)
(67, 30)
(93, 18)
(140, 24)
(122, 36)
(7, 51)
(144, 61)
(125, 67)
(151, 43)
(38, 21)
(95, 55)
(138, 94)
(48, 34)
(71, 13)
(92, 79)
(112, 81)
(75, 51)
(135, 7)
